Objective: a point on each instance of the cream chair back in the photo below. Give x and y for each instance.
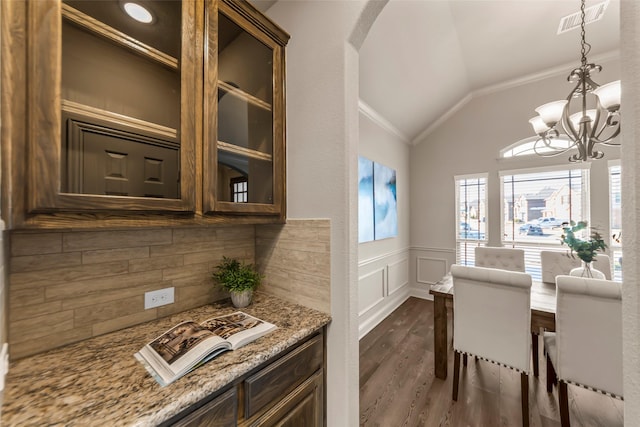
(589, 333)
(555, 263)
(603, 263)
(492, 314)
(503, 258)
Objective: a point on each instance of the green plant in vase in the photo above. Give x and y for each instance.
(586, 250)
(239, 279)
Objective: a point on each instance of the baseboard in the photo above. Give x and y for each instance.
(391, 303)
(421, 292)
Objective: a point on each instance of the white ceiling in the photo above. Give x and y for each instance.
(423, 57)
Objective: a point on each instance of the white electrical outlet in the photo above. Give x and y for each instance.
(4, 364)
(157, 298)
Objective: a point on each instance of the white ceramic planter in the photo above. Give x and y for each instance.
(241, 299)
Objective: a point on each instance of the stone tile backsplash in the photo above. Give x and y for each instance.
(69, 286)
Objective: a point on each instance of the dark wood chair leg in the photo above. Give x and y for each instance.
(563, 400)
(534, 342)
(551, 375)
(524, 390)
(464, 359)
(456, 374)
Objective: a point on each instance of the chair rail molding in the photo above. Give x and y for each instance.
(380, 257)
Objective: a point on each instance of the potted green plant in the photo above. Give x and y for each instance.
(584, 249)
(239, 278)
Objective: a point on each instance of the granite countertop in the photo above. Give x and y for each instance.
(99, 382)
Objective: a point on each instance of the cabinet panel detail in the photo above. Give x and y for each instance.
(220, 412)
(282, 376)
(302, 407)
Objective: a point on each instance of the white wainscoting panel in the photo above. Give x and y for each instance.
(383, 285)
(430, 270)
(398, 275)
(371, 290)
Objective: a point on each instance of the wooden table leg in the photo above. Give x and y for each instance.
(440, 336)
(534, 342)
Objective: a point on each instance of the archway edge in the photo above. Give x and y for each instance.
(367, 17)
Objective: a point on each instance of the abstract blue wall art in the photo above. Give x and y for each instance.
(377, 203)
(365, 200)
(385, 206)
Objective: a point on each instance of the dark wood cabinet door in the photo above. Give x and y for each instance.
(301, 408)
(220, 412)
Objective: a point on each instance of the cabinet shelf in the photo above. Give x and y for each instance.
(239, 93)
(254, 154)
(103, 30)
(141, 126)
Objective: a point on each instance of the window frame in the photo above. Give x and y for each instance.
(615, 248)
(536, 246)
(473, 242)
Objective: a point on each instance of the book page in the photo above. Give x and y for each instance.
(238, 328)
(176, 351)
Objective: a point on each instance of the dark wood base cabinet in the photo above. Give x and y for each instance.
(286, 391)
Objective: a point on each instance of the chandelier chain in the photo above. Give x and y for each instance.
(583, 42)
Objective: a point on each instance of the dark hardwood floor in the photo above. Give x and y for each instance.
(398, 386)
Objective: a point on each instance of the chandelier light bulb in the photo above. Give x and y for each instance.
(609, 95)
(539, 126)
(577, 117)
(551, 112)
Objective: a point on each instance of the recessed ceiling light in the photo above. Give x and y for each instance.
(138, 12)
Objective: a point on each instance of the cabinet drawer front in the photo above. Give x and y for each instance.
(279, 378)
(220, 412)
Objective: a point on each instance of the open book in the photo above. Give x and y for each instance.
(189, 344)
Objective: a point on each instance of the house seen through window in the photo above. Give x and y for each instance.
(536, 205)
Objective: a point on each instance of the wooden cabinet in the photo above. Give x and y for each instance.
(244, 150)
(222, 411)
(176, 121)
(286, 391)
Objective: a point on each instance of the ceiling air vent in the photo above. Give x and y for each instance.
(591, 14)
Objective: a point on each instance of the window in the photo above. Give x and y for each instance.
(471, 214)
(537, 204)
(239, 189)
(525, 147)
(615, 219)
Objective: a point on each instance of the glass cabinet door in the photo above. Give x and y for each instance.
(119, 102)
(245, 149)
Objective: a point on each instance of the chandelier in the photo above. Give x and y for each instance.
(596, 119)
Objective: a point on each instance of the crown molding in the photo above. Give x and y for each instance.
(377, 118)
(450, 112)
(509, 84)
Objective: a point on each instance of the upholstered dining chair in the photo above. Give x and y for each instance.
(493, 321)
(503, 258)
(556, 263)
(586, 349)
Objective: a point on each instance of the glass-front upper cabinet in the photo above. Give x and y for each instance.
(115, 122)
(244, 148)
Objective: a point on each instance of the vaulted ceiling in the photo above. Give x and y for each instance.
(423, 57)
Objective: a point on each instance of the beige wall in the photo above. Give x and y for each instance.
(383, 265)
(469, 142)
(630, 40)
(70, 286)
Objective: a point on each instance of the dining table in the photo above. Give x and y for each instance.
(543, 317)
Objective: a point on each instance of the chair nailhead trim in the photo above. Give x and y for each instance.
(491, 361)
(606, 393)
